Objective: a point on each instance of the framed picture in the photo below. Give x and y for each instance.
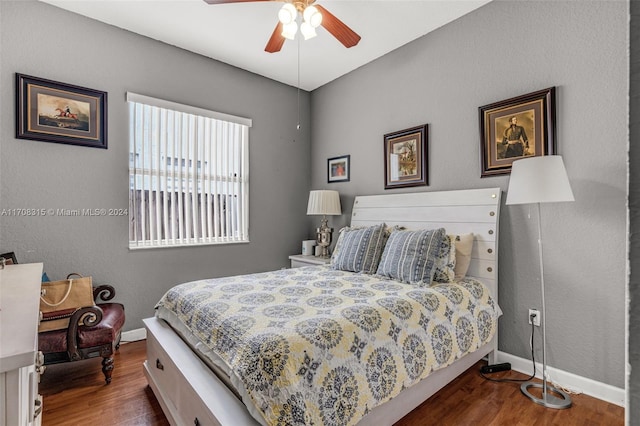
(57, 112)
(405, 158)
(516, 128)
(339, 169)
(9, 258)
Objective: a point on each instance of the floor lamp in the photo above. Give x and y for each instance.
(539, 180)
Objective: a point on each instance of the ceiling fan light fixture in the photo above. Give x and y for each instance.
(287, 14)
(289, 30)
(312, 16)
(307, 30)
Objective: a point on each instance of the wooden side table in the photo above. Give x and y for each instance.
(299, 260)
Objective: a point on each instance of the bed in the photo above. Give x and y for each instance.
(363, 341)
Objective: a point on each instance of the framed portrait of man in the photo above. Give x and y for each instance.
(516, 128)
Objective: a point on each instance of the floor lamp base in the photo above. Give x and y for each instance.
(554, 398)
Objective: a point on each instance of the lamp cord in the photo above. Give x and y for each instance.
(298, 125)
(533, 360)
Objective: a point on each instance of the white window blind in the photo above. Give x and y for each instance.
(188, 175)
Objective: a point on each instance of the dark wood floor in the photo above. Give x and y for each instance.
(75, 394)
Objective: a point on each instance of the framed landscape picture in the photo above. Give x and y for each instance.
(50, 111)
(516, 128)
(405, 158)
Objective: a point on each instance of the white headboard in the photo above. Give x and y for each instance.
(459, 212)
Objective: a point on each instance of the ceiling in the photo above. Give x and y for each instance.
(237, 33)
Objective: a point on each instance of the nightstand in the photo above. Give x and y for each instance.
(299, 260)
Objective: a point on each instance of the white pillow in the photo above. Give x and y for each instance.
(464, 245)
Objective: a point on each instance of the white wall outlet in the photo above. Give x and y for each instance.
(536, 319)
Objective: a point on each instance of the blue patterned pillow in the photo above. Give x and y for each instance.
(410, 256)
(446, 260)
(359, 249)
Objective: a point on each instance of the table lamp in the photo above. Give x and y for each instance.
(324, 202)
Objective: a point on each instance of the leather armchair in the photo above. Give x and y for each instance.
(94, 331)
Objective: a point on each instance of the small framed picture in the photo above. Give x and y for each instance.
(9, 258)
(405, 158)
(50, 111)
(516, 128)
(339, 169)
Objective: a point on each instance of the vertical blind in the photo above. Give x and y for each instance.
(188, 175)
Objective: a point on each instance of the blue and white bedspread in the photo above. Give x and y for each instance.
(318, 346)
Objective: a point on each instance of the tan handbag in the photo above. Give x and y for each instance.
(59, 300)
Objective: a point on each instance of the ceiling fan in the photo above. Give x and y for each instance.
(313, 15)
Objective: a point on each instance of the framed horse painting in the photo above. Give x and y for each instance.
(50, 111)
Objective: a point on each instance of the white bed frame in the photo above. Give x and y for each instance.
(190, 393)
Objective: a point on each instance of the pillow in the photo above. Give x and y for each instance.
(359, 249)
(464, 244)
(409, 256)
(446, 260)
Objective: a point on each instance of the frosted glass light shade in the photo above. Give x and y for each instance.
(539, 180)
(307, 31)
(289, 30)
(312, 16)
(324, 202)
(287, 13)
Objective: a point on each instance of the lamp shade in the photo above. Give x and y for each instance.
(307, 30)
(324, 202)
(289, 30)
(287, 13)
(539, 180)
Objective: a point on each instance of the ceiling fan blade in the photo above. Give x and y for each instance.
(232, 1)
(276, 41)
(338, 29)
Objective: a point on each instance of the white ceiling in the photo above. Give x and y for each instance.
(237, 33)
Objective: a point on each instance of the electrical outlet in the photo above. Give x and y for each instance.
(536, 319)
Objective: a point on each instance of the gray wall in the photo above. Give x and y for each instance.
(440, 79)
(44, 41)
(499, 51)
(633, 385)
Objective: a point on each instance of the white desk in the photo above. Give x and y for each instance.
(20, 403)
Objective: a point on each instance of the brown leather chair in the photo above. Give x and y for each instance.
(94, 331)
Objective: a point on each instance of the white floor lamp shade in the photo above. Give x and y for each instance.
(538, 180)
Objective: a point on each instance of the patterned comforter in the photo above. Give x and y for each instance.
(318, 346)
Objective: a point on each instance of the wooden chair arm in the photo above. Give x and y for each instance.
(104, 292)
(88, 316)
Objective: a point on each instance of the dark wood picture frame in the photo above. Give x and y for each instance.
(51, 111)
(405, 158)
(10, 258)
(339, 169)
(516, 128)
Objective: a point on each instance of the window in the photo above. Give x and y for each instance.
(188, 175)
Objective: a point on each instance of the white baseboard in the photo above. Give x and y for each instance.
(569, 381)
(134, 335)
